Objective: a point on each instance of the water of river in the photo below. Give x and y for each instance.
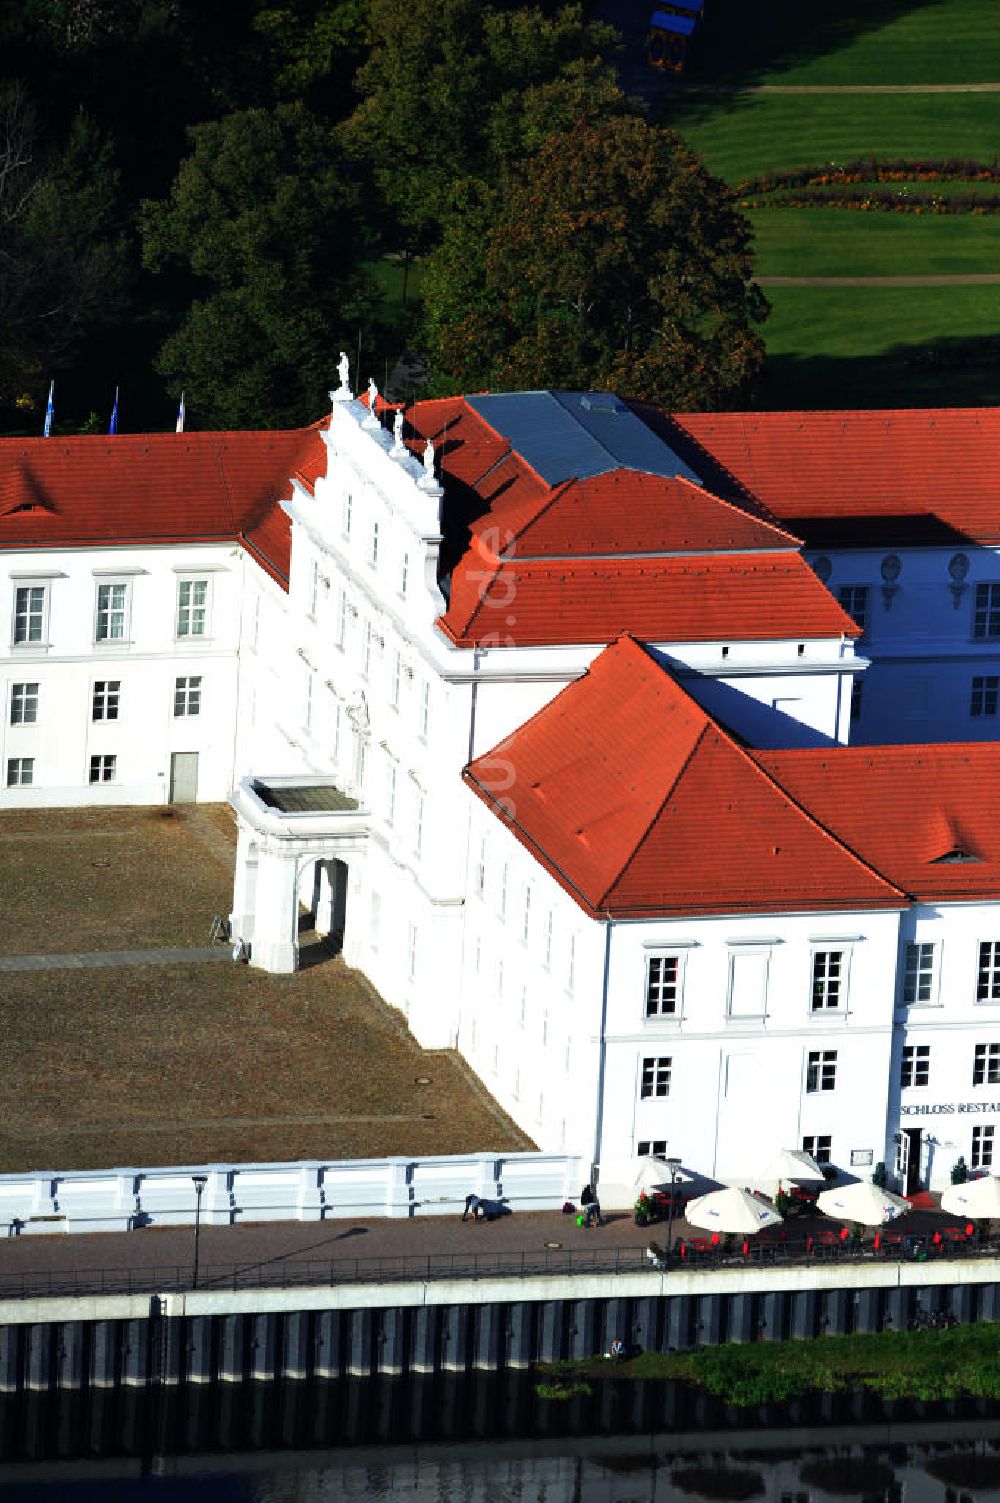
(488, 1439)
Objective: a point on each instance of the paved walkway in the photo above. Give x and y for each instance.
(975, 279)
(79, 962)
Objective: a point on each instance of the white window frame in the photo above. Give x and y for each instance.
(419, 802)
(987, 591)
(347, 513)
(820, 1071)
(373, 547)
(819, 1146)
(313, 588)
(480, 882)
(342, 619)
(103, 768)
(547, 952)
(653, 957)
(502, 896)
(990, 1063)
(425, 710)
(412, 952)
(124, 610)
(931, 1000)
(656, 1073)
(571, 966)
(526, 915)
(982, 1145)
(187, 692)
(102, 687)
(984, 696)
(20, 772)
(990, 968)
(189, 581)
(26, 644)
(397, 678)
(23, 708)
(404, 574)
(915, 1060)
(391, 788)
(831, 946)
(741, 952)
(852, 591)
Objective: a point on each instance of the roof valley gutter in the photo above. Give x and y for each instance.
(602, 1048)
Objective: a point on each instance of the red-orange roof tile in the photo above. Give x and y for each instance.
(714, 598)
(876, 478)
(156, 488)
(633, 798)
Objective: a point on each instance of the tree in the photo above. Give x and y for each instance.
(442, 95)
(609, 258)
(262, 217)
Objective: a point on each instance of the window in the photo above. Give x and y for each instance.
(192, 607)
(982, 1148)
(818, 1148)
(821, 1070)
(342, 620)
(857, 695)
(986, 620)
(854, 599)
(984, 696)
(112, 602)
(916, 1066)
(307, 699)
(425, 710)
(418, 821)
(503, 891)
(988, 982)
(348, 510)
(828, 976)
(526, 915)
(655, 1080)
(29, 614)
(390, 789)
(404, 574)
(373, 547)
(548, 939)
(313, 588)
(20, 771)
(412, 953)
(918, 978)
(499, 978)
(986, 1065)
(102, 769)
(571, 968)
(187, 696)
(662, 985)
(366, 651)
(481, 869)
(23, 704)
(397, 674)
(656, 1147)
(106, 698)
(748, 983)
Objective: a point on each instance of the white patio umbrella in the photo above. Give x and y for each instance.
(862, 1202)
(621, 1181)
(790, 1163)
(731, 1210)
(978, 1198)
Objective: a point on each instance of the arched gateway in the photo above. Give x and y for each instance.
(299, 838)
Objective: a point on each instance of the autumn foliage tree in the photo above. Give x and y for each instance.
(607, 258)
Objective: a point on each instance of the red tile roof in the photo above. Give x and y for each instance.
(904, 808)
(876, 478)
(157, 488)
(710, 597)
(637, 802)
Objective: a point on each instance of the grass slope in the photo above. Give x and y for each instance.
(850, 242)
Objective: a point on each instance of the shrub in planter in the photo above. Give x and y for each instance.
(959, 1171)
(879, 1175)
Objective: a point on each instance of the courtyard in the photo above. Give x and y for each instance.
(195, 1060)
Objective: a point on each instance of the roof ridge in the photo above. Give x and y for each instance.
(772, 526)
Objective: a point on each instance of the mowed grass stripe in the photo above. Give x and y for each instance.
(828, 42)
(852, 242)
(875, 347)
(744, 135)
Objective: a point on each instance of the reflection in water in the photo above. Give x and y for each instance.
(487, 1438)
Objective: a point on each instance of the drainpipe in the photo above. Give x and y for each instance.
(602, 1048)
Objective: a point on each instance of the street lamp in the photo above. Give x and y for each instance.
(200, 1181)
(673, 1165)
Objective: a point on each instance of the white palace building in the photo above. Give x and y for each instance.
(647, 760)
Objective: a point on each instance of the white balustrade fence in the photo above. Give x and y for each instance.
(117, 1200)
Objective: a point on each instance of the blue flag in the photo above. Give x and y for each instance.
(49, 411)
(114, 415)
(180, 416)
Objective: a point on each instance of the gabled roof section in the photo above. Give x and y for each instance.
(864, 479)
(626, 511)
(157, 488)
(638, 803)
(698, 598)
(927, 816)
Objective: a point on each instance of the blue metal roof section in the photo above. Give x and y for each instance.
(572, 434)
(682, 25)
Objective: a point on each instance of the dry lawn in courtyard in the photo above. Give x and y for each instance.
(147, 1065)
(201, 1063)
(110, 879)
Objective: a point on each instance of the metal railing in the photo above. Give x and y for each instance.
(292, 1272)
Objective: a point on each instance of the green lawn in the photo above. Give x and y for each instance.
(742, 135)
(847, 42)
(849, 242)
(868, 347)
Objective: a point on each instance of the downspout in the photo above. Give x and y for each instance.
(602, 1046)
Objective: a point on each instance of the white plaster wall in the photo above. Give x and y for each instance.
(147, 662)
(920, 640)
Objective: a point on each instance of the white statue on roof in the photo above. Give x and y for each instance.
(372, 397)
(429, 458)
(344, 371)
(397, 431)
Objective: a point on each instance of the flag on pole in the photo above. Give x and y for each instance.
(180, 416)
(114, 415)
(49, 410)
